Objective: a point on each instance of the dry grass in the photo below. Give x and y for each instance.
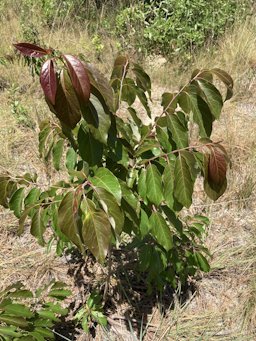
(224, 305)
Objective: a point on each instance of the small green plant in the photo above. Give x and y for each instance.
(18, 110)
(128, 180)
(24, 316)
(91, 313)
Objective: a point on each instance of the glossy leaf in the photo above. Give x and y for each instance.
(211, 96)
(43, 136)
(130, 203)
(16, 202)
(98, 119)
(226, 79)
(128, 91)
(31, 50)
(144, 101)
(32, 196)
(71, 158)
(9, 331)
(48, 80)
(154, 185)
(13, 320)
(184, 178)
(202, 262)
(142, 185)
(120, 68)
(79, 78)
(96, 231)
(68, 217)
(217, 166)
(189, 100)
(7, 188)
(169, 102)
(168, 184)
(104, 178)
(66, 107)
(100, 86)
(161, 231)
(90, 149)
(17, 309)
(162, 134)
(38, 226)
(142, 78)
(111, 208)
(178, 131)
(57, 153)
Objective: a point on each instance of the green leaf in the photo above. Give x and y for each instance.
(13, 320)
(9, 331)
(144, 224)
(168, 183)
(169, 102)
(45, 333)
(56, 308)
(119, 153)
(128, 91)
(154, 185)
(85, 324)
(104, 178)
(17, 309)
(130, 203)
(142, 78)
(71, 158)
(21, 294)
(189, 100)
(226, 79)
(148, 145)
(100, 318)
(211, 96)
(184, 177)
(178, 131)
(120, 68)
(16, 201)
(96, 231)
(37, 336)
(110, 206)
(142, 186)
(49, 315)
(43, 135)
(38, 226)
(202, 262)
(98, 119)
(135, 116)
(90, 149)
(144, 101)
(60, 294)
(162, 134)
(68, 219)
(32, 197)
(161, 231)
(23, 219)
(57, 152)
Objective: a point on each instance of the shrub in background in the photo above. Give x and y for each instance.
(172, 27)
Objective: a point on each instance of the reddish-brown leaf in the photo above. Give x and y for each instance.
(79, 78)
(31, 50)
(48, 80)
(217, 166)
